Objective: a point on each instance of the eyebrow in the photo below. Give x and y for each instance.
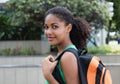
(52, 24)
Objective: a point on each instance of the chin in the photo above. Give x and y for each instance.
(53, 44)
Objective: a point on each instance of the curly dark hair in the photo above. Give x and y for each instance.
(80, 28)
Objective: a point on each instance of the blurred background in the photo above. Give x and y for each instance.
(23, 44)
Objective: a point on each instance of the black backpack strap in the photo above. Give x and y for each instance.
(56, 72)
(59, 57)
(74, 51)
(82, 51)
(77, 54)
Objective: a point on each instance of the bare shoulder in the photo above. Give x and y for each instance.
(68, 56)
(69, 66)
(68, 59)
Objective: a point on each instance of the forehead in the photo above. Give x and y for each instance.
(52, 19)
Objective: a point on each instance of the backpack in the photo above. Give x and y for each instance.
(91, 69)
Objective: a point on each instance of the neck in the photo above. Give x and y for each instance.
(63, 46)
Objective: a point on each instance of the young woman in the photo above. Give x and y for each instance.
(64, 31)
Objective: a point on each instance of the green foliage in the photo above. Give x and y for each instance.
(6, 30)
(17, 51)
(31, 12)
(26, 12)
(107, 49)
(26, 17)
(116, 16)
(94, 12)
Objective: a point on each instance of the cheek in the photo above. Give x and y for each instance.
(61, 34)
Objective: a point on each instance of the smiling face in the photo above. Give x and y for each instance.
(56, 30)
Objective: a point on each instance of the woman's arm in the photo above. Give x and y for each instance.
(51, 79)
(48, 66)
(70, 68)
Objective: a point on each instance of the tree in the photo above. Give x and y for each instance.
(29, 14)
(6, 30)
(115, 23)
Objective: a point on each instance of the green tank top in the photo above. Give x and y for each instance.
(61, 72)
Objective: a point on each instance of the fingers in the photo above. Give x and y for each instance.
(48, 64)
(51, 58)
(54, 64)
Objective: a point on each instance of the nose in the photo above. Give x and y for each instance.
(48, 31)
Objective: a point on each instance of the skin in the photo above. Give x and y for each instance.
(58, 34)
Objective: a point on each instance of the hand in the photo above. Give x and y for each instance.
(48, 65)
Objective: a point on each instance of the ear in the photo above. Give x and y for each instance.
(69, 27)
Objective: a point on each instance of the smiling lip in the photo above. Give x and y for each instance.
(51, 38)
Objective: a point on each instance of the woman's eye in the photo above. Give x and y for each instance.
(45, 27)
(54, 26)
